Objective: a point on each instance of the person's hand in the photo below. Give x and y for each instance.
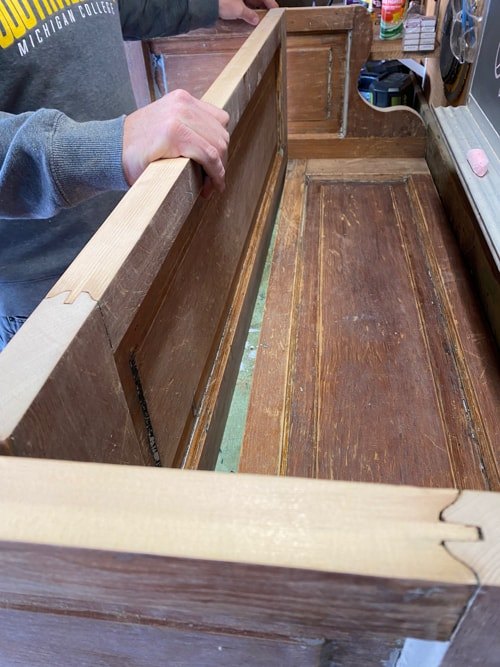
(237, 9)
(173, 126)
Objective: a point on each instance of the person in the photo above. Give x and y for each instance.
(71, 138)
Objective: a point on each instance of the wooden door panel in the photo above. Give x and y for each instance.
(316, 86)
(365, 374)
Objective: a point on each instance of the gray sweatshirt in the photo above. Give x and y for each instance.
(64, 90)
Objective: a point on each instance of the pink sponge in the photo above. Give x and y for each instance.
(478, 161)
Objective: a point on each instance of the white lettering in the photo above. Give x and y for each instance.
(23, 47)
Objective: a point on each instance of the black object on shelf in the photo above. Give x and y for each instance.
(386, 83)
(392, 89)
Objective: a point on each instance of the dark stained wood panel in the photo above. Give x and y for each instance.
(193, 72)
(176, 356)
(194, 60)
(80, 641)
(137, 55)
(373, 390)
(377, 386)
(316, 83)
(224, 597)
(474, 352)
(79, 409)
(314, 106)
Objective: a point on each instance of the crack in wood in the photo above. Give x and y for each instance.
(145, 412)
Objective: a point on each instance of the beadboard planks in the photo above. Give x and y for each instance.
(375, 368)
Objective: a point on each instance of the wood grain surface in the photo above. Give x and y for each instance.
(74, 641)
(175, 357)
(61, 394)
(373, 366)
(239, 554)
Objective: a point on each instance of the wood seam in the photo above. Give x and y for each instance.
(474, 594)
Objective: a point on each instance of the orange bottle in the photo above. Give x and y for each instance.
(392, 17)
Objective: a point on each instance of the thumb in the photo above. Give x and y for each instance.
(249, 15)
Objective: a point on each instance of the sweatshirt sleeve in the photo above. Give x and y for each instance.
(49, 162)
(145, 19)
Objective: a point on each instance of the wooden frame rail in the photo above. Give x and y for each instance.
(104, 563)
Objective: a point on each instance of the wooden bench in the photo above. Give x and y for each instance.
(376, 371)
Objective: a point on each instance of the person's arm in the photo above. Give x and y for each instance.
(145, 19)
(237, 9)
(177, 124)
(49, 162)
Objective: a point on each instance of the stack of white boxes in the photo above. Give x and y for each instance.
(419, 33)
